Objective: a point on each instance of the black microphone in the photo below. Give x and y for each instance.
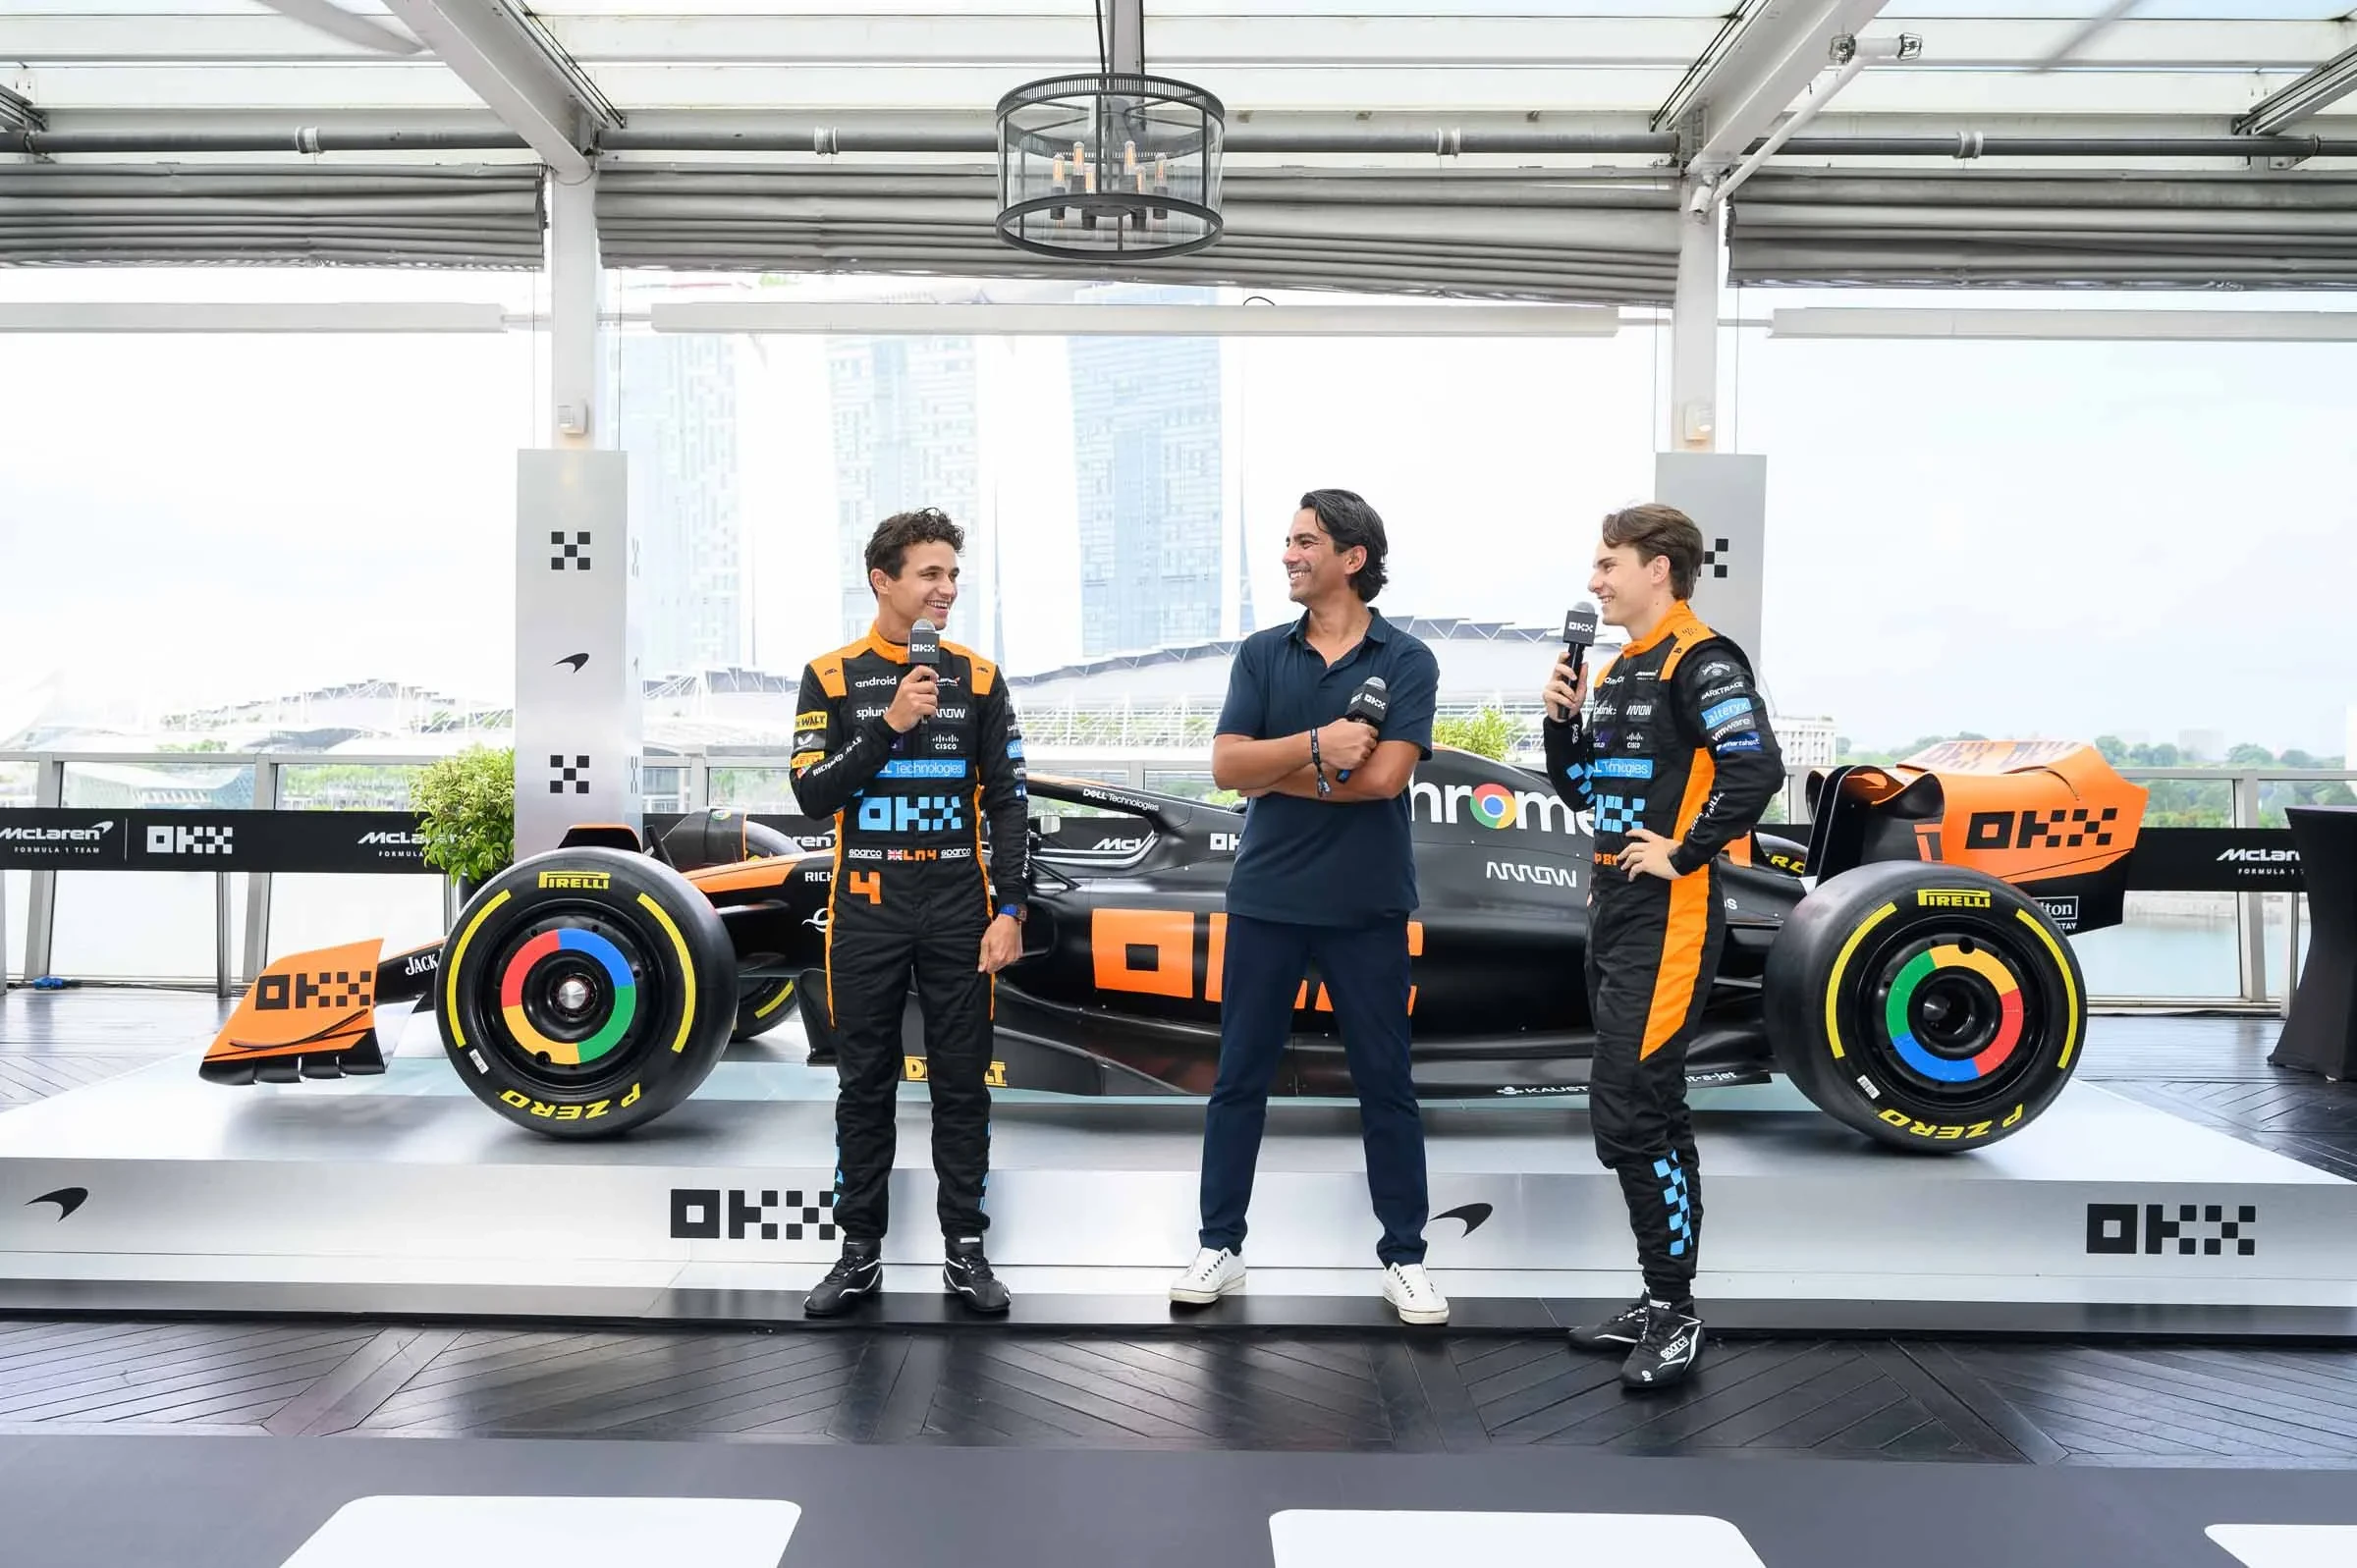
(1579, 636)
(924, 648)
(1370, 705)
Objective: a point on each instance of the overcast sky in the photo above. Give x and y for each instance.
(2055, 538)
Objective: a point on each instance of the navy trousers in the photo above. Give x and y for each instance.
(1365, 972)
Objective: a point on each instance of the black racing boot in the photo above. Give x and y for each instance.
(1620, 1332)
(966, 1273)
(1666, 1352)
(859, 1272)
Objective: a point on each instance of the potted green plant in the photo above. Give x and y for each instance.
(467, 803)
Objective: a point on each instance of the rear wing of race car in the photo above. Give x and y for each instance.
(2051, 817)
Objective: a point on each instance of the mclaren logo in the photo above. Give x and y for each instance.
(398, 838)
(89, 834)
(67, 1199)
(1472, 1216)
(1952, 899)
(576, 660)
(2257, 857)
(578, 881)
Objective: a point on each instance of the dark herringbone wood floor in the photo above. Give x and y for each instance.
(2119, 1404)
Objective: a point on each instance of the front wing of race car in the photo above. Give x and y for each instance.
(313, 1014)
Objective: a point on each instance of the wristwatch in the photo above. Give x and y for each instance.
(1014, 911)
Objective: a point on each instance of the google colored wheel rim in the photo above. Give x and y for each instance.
(622, 1005)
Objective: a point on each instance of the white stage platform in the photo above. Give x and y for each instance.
(402, 1196)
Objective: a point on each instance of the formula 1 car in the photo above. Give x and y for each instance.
(1907, 968)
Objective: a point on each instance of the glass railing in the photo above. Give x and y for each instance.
(2191, 949)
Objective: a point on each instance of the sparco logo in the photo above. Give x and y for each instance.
(697, 1215)
(57, 836)
(163, 839)
(1539, 876)
(2257, 857)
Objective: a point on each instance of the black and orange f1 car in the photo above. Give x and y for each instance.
(1907, 968)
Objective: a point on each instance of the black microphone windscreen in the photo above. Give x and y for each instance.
(924, 643)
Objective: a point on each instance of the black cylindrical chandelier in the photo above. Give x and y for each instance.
(1109, 165)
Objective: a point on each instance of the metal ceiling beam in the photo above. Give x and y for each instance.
(1742, 84)
(1200, 43)
(1126, 37)
(2320, 88)
(518, 73)
(18, 114)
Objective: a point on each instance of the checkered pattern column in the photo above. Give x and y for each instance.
(1726, 496)
(578, 687)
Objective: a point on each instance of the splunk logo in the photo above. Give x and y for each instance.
(1490, 805)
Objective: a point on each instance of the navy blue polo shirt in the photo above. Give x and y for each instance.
(1313, 862)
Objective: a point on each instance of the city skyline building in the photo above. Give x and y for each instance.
(1148, 464)
(906, 419)
(677, 415)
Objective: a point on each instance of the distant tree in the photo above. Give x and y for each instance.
(2114, 749)
(2298, 759)
(2247, 755)
(1487, 734)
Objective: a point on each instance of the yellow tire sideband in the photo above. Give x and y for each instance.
(687, 971)
(1833, 984)
(2071, 992)
(457, 962)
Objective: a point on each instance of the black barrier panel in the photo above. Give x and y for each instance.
(47, 838)
(2214, 860)
(323, 841)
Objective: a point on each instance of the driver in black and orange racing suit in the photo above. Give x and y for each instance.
(910, 893)
(1676, 749)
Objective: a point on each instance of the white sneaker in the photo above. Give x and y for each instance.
(1214, 1273)
(1407, 1287)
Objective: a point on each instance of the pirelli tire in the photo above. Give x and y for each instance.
(1930, 1007)
(587, 992)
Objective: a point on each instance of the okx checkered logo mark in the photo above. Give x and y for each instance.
(562, 775)
(2184, 1229)
(815, 1221)
(164, 838)
(1715, 557)
(574, 552)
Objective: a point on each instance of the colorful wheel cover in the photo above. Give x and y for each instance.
(1943, 1069)
(530, 956)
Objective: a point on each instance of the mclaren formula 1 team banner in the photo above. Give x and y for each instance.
(346, 841)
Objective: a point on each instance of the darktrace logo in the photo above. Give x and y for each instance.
(1472, 1216)
(67, 1199)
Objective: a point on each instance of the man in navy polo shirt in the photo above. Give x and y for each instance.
(1323, 875)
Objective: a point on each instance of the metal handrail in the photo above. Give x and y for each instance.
(694, 763)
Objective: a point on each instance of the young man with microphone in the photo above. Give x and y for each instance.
(1676, 761)
(1324, 724)
(911, 744)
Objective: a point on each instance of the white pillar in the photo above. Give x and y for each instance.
(576, 284)
(1695, 329)
(577, 683)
